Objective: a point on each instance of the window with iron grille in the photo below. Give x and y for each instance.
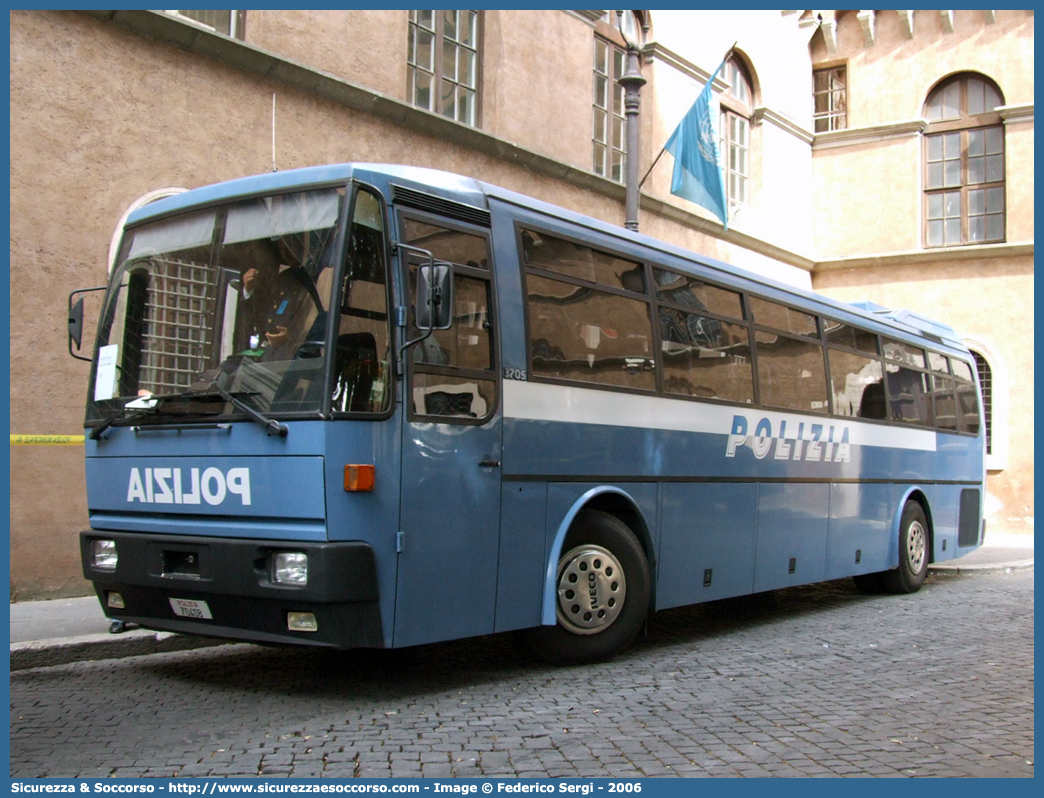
(444, 63)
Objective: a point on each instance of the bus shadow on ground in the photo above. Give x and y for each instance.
(377, 674)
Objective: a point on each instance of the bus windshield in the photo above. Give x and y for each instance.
(234, 298)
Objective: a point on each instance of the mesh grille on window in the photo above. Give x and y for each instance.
(178, 323)
(986, 384)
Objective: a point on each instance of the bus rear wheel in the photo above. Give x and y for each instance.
(602, 593)
(913, 552)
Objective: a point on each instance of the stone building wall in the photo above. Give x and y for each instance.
(108, 109)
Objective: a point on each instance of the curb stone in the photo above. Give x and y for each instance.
(46, 653)
(953, 568)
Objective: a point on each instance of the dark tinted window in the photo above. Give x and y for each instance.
(840, 334)
(939, 363)
(451, 373)
(541, 251)
(446, 244)
(467, 344)
(963, 371)
(781, 317)
(691, 292)
(362, 369)
(945, 403)
(909, 396)
(967, 407)
(904, 353)
(968, 417)
(442, 395)
(857, 385)
(580, 333)
(791, 373)
(705, 357)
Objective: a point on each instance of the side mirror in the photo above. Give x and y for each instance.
(75, 323)
(434, 296)
(75, 318)
(434, 308)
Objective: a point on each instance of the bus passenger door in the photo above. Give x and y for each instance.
(451, 447)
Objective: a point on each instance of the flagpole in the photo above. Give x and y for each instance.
(658, 157)
(664, 148)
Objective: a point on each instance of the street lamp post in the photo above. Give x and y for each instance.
(634, 28)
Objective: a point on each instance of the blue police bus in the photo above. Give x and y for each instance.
(380, 406)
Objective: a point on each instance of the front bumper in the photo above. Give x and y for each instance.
(232, 577)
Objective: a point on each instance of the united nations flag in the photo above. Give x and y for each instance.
(697, 159)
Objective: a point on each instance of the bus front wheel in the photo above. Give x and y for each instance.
(913, 552)
(601, 591)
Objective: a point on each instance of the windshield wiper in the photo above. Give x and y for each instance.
(148, 405)
(143, 410)
(272, 427)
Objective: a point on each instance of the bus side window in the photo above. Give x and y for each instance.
(790, 367)
(703, 353)
(132, 346)
(945, 405)
(967, 397)
(451, 371)
(791, 373)
(361, 361)
(943, 392)
(909, 397)
(588, 313)
(909, 388)
(857, 385)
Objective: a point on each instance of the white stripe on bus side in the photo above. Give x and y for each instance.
(569, 404)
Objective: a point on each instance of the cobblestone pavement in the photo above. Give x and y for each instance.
(813, 681)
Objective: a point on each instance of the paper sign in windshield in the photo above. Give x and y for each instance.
(105, 381)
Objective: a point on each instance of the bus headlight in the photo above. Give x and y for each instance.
(103, 555)
(290, 568)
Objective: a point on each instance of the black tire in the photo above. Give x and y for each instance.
(914, 551)
(601, 554)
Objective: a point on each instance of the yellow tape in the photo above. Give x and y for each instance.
(47, 440)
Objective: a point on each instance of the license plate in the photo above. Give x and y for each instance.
(191, 608)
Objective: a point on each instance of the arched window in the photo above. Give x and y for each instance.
(737, 106)
(964, 199)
